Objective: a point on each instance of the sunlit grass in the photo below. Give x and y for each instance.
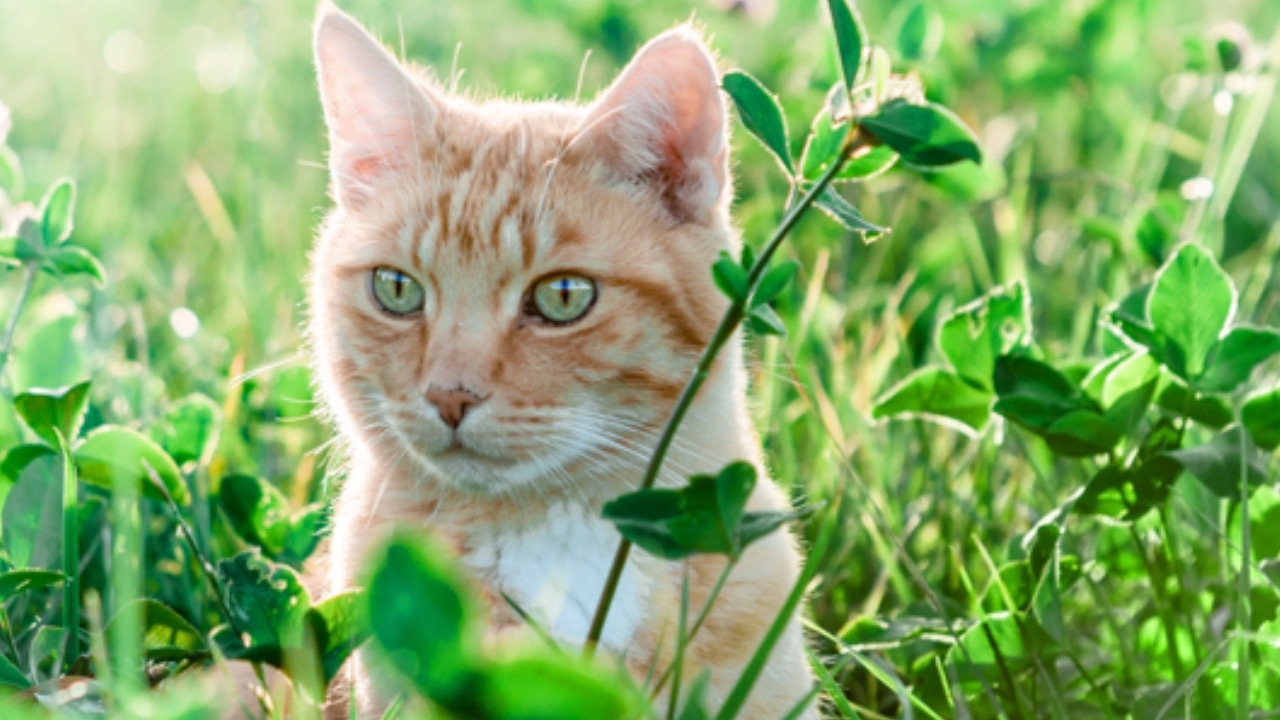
(195, 137)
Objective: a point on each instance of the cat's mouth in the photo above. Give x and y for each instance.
(459, 452)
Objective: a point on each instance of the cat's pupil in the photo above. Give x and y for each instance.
(564, 291)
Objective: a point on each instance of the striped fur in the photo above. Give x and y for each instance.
(477, 201)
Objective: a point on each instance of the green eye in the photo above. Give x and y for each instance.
(562, 299)
(396, 292)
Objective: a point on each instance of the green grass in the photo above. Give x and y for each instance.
(1092, 114)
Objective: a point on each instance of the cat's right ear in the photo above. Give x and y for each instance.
(375, 110)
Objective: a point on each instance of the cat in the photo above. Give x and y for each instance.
(505, 302)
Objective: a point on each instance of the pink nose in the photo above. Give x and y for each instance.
(453, 404)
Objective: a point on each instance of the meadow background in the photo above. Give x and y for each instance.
(195, 136)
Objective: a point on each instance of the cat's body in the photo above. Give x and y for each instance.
(464, 234)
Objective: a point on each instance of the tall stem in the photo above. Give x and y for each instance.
(1162, 605)
(70, 552)
(30, 271)
(1243, 621)
(728, 325)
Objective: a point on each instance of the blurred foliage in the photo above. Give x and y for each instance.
(1112, 131)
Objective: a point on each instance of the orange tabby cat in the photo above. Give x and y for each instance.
(505, 303)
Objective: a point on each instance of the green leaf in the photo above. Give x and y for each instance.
(19, 581)
(1128, 494)
(851, 40)
(10, 675)
(712, 507)
(1138, 335)
(31, 522)
(1230, 53)
(706, 516)
(998, 635)
(10, 251)
(10, 173)
(47, 652)
(189, 429)
(340, 627)
(1018, 580)
(926, 136)
(1212, 412)
(292, 393)
(823, 147)
(423, 620)
(1081, 433)
(974, 335)
(55, 212)
(113, 454)
(261, 515)
(1233, 360)
(167, 634)
(761, 115)
(1261, 417)
(729, 277)
(1128, 390)
(52, 356)
(879, 70)
(939, 395)
(1157, 231)
(1046, 402)
(823, 144)
(774, 282)
(268, 605)
(839, 209)
(1216, 464)
(1095, 379)
(1216, 691)
(643, 517)
(1191, 302)
(1264, 524)
(554, 687)
(920, 35)
(762, 320)
(759, 523)
(75, 260)
(48, 412)
(1046, 605)
(869, 163)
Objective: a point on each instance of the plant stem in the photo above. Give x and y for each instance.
(697, 623)
(1162, 605)
(1175, 566)
(30, 272)
(70, 552)
(682, 641)
(206, 567)
(751, 671)
(1246, 554)
(728, 325)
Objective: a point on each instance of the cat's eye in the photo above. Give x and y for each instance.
(562, 299)
(396, 292)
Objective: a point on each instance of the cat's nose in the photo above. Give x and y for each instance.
(453, 404)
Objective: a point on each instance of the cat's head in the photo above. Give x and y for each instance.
(507, 294)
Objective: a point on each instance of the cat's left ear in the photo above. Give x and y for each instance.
(663, 123)
(375, 110)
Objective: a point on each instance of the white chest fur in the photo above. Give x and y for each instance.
(555, 570)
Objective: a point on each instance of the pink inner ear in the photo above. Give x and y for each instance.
(374, 108)
(665, 120)
(369, 167)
